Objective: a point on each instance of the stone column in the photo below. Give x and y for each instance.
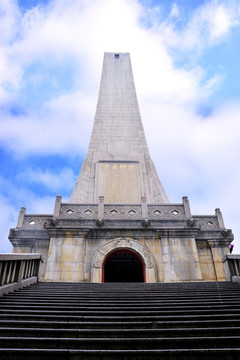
(101, 208)
(186, 207)
(220, 218)
(180, 256)
(21, 217)
(66, 256)
(218, 252)
(57, 207)
(144, 208)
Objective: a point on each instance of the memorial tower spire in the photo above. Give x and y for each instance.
(118, 165)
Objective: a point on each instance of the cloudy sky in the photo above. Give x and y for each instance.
(185, 57)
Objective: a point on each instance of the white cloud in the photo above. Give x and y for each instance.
(62, 126)
(8, 218)
(11, 205)
(9, 18)
(57, 181)
(207, 25)
(220, 22)
(174, 11)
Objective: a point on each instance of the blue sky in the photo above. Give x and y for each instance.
(185, 58)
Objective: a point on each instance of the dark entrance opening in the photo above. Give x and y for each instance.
(123, 266)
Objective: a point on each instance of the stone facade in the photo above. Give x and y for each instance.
(173, 244)
(118, 203)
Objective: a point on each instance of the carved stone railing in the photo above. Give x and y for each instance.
(18, 270)
(231, 264)
(108, 215)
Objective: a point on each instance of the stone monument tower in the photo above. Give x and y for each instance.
(118, 164)
(119, 225)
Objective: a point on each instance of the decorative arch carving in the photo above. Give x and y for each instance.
(123, 243)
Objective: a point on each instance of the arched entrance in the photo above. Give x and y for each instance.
(123, 266)
(123, 244)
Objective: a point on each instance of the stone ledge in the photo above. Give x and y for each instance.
(231, 257)
(8, 288)
(19, 256)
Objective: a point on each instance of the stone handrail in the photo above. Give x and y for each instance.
(18, 270)
(231, 264)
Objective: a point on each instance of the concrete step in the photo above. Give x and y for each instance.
(136, 296)
(118, 333)
(50, 324)
(121, 321)
(150, 354)
(78, 324)
(123, 303)
(154, 318)
(193, 342)
(153, 315)
(118, 309)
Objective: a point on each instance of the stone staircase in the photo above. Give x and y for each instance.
(121, 321)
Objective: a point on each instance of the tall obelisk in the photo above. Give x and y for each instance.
(118, 165)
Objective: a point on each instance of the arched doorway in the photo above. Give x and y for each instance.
(123, 266)
(138, 249)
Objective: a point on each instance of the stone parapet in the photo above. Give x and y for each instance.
(18, 270)
(156, 214)
(231, 264)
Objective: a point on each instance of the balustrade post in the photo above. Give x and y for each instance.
(9, 272)
(4, 273)
(21, 270)
(13, 271)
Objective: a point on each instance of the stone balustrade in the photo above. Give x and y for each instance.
(18, 270)
(101, 214)
(231, 264)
